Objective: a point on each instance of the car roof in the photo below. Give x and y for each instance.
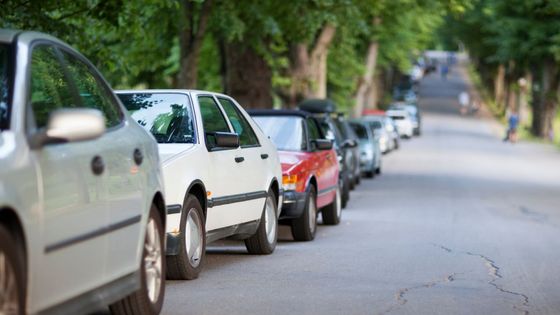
(318, 106)
(8, 36)
(393, 112)
(278, 112)
(162, 91)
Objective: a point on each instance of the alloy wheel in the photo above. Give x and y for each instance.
(8, 287)
(153, 261)
(270, 220)
(193, 237)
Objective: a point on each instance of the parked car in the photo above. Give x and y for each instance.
(385, 127)
(403, 121)
(414, 112)
(82, 214)
(322, 110)
(309, 170)
(350, 136)
(370, 151)
(222, 174)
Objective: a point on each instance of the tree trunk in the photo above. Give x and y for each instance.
(308, 69)
(248, 76)
(366, 82)
(545, 94)
(499, 92)
(191, 34)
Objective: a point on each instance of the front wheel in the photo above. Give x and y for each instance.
(12, 288)
(148, 300)
(263, 242)
(332, 213)
(187, 264)
(304, 227)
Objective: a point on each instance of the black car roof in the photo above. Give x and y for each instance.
(278, 112)
(318, 106)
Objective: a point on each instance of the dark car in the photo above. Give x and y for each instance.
(322, 109)
(349, 135)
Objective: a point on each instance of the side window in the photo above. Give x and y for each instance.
(314, 132)
(241, 126)
(91, 91)
(50, 89)
(212, 119)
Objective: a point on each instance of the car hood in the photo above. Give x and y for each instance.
(168, 151)
(291, 159)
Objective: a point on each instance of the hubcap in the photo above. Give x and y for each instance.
(153, 261)
(193, 237)
(270, 220)
(312, 215)
(8, 288)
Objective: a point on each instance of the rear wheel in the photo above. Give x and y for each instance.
(12, 287)
(304, 227)
(370, 174)
(345, 191)
(331, 214)
(148, 300)
(187, 264)
(263, 242)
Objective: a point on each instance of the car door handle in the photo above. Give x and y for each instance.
(138, 156)
(97, 165)
(264, 156)
(239, 159)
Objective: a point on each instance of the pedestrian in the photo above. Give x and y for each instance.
(444, 69)
(513, 122)
(464, 101)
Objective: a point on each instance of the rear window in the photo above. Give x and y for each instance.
(397, 117)
(4, 87)
(285, 131)
(168, 116)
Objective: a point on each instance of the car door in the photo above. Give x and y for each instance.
(73, 193)
(325, 165)
(224, 183)
(253, 167)
(124, 176)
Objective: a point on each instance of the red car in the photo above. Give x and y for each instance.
(309, 168)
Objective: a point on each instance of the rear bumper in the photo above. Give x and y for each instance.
(293, 205)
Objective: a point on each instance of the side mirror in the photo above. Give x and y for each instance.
(226, 140)
(70, 125)
(323, 144)
(349, 143)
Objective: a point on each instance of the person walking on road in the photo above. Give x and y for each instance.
(464, 101)
(511, 133)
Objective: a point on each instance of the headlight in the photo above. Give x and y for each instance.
(289, 182)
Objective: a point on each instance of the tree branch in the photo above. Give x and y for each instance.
(323, 41)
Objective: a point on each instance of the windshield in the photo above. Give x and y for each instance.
(285, 131)
(4, 87)
(168, 116)
(360, 131)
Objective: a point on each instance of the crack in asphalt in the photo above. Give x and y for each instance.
(494, 272)
(400, 295)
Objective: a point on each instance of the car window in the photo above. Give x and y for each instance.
(50, 89)
(313, 129)
(92, 92)
(360, 131)
(275, 127)
(212, 119)
(240, 125)
(167, 116)
(4, 87)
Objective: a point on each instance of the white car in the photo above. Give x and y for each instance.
(82, 214)
(222, 174)
(404, 123)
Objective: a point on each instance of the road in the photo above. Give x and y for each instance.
(458, 223)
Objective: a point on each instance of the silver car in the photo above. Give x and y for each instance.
(82, 214)
(370, 151)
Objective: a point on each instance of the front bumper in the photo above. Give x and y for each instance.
(293, 205)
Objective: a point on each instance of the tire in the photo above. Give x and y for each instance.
(378, 170)
(263, 242)
(370, 174)
(304, 227)
(358, 179)
(396, 144)
(142, 302)
(345, 192)
(188, 263)
(12, 283)
(332, 213)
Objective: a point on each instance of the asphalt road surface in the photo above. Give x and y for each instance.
(458, 223)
